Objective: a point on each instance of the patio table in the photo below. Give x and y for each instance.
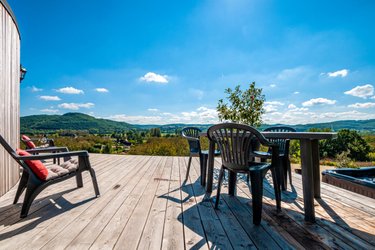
(309, 145)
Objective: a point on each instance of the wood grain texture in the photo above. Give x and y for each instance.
(9, 97)
(146, 204)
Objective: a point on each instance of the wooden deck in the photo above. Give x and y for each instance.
(146, 205)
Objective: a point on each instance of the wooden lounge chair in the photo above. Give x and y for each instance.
(193, 138)
(35, 181)
(234, 141)
(30, 143)
(49, 146)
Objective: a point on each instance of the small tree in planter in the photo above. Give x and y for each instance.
(244, 106)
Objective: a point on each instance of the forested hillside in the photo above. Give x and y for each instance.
(38, 124)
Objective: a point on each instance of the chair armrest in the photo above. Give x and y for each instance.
(191, 138)
(51, 156)
(47, 150)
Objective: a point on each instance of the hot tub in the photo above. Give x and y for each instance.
(361, 181)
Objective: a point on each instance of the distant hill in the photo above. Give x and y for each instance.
(79, 121)
(359, 125)
(71, 121)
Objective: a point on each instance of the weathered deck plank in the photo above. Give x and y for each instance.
(145, 203)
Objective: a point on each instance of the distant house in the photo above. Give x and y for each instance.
(9, 94)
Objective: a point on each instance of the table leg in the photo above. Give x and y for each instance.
(307, 179)
(210, 166)
(232, 180)
(316, 167)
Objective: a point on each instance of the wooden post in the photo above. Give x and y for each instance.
(307, 179)
(316, 167)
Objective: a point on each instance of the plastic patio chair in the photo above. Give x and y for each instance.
(234, 141)
(193, 138)
(283, 154)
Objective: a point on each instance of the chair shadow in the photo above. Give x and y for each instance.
(40, 215)
(286, 196)
(186, 189)
(291, 220)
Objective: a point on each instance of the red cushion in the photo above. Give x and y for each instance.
(36, 166)
(28, 141)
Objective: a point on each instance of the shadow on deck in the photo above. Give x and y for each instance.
(146, 203)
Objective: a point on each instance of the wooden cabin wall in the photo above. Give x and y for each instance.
(9, 97)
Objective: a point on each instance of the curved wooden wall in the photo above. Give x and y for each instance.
(9, 95)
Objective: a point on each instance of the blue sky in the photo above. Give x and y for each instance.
(157, 62)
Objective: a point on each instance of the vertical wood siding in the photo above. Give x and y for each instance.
(9, 97)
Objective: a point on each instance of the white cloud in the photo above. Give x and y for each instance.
(35, 89)
(70, 90)
(76, 106)
(272, 106)
(277, 103)
(153, 77)
(293, 107)
(101, 90)
(153, 110)
(138, 119)
(361, 91)
(318, 101)
(273, 85)
(52, 111)
(341, 73)
(365, 105)
(49, 98)
(201, 115)
(303, 117)
(296, 92)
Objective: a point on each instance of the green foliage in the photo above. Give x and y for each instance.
(243, 107)
(319, 130)
(347, 140)
(107, 148)
(91, 143)
(172, 146)
(294, 151)
(155, 132)
(371, 156)
(343, 161)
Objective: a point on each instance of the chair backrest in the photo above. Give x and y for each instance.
(235, 142)
(192, 135)
(10, 150)
(280, 142)
(14, 155)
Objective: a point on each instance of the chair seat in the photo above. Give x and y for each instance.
(67, 167)
(259, 166)
(205, 152)
(263, 154)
